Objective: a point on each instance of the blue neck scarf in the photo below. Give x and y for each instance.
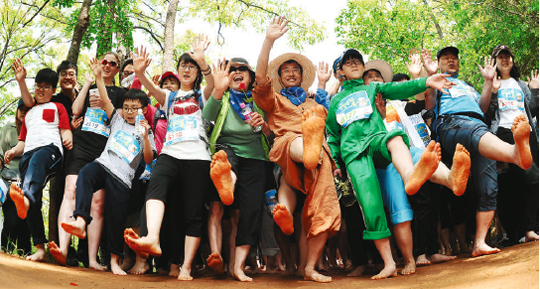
(296, 95)
(236, 97)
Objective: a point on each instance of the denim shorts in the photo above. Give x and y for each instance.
(467, 131)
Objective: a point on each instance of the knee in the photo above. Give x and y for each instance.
(216, 211)
(98, 200)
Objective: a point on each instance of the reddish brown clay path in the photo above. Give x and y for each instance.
(514, 267)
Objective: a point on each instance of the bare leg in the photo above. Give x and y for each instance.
(155, 209)
(241, 253)
(491, 147)
(461, 235)
(66, 210)
(389, 270)
(235, 214)
(483, 220)
(115, 265)
(215, 235)
(282, 212)
(313, 124)
(403, 235)
(94, 229)
(190, 249)
(303, 246)
(40, 254)
(445, 239)
(414, 176)
(174, 270)
(315, 246)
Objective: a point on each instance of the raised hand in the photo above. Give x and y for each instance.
(324, 72)
(89, 78)
(489, 69)
(222, 77)
(277, 28)
(414, 66)
(155, 79)
(141, 60)
(19, 70)
(380, 105)
(95, 66)
(533, 80)
(496, 83)
(199, 46)
(439, 81)
(431, 66)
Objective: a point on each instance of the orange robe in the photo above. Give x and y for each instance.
(321, 209)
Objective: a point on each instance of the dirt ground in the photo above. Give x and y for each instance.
(514, 267)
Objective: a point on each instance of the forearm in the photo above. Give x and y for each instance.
(104, 96)
(148, 153)
(25, 94)
(158, 93)
(402, 90)
(485, 98)
(262, 62)
(78, 104)
(431, 100)
(18, 149)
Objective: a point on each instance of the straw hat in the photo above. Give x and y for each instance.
(308, 75)
(382, 67)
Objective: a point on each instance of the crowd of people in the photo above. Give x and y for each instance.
(254, 172)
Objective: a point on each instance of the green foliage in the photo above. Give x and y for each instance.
(386, 30)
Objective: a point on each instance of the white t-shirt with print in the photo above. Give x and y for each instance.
(511, 102)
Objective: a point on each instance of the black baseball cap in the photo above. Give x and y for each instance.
(450, 49)
(500, 48)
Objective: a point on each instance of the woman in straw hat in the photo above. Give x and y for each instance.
(299, 148)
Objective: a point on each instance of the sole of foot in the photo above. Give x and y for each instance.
(461, 168)
(56, 253)
(283, 219)
(426, 166)
(220, 173)
(521, 131)
(215, 262)
(17, 196)
(142, 246)
(313, 124)
(74, 230)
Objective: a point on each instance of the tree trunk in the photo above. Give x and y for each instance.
(168, 47)
(82, 24)
(439, 30)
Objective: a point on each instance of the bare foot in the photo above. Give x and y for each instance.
(483, 249)
(357, 271)
(522, 151)
(387, 272)
(185, 274)
(215, 262)
(313, 124)
(127, 263)
(239, 275)
(39, 255)
(531, 236)
(96, 266)
(283, 219)
(76, 228)
(18, 198)
(316, 276)
(57, 254)
(426, 166)
(459, 173)
(439, 258)
(422, 260)
(410, 268)
(140, 267)
(220, 172)
(162, 271)
(174, 270)
(128, 232)
(117, 270)
(144, 244)
(290, 270)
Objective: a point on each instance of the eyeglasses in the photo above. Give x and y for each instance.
(188, 67)
(104, 62)
(130, 109)
(238, 68)
(352, 62)
(289, 71)
(65, 74)
(44, 88)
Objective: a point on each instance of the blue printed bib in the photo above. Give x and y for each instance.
(354, 107)
(95, 120)
(125, 145)
(511, 98)
(181, 128)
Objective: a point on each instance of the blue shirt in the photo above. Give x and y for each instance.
(460, 98)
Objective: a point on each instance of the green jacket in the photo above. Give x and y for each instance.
(209, 113)
(349, 124)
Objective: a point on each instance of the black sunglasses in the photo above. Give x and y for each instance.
(238, 68)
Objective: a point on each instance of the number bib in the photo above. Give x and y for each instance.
(461, 89)
(421, 128)
(3, 191)
(511, 98)
(181, 128)
(394, 125)
(353, 107)
(125, 145)
(95, 121)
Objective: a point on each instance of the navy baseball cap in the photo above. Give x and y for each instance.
(450, 49)
(337, 63)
